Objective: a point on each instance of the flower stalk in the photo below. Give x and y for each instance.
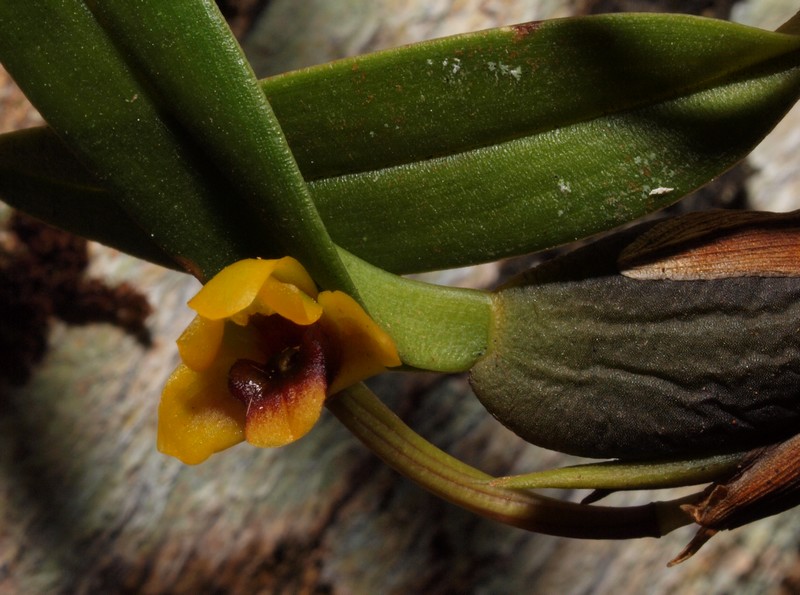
(617, 475)
(414, 457)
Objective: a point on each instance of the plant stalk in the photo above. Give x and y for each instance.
(409, 454)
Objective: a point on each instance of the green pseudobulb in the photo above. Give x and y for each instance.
(587, 361)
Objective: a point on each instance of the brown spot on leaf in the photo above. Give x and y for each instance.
(522, 30)
(191, 267)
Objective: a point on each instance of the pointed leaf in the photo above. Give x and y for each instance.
(203, 81)
(72, 72)
(459, 162)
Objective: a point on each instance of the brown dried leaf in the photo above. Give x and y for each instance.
(716, 245)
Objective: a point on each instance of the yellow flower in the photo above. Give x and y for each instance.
(258, 361)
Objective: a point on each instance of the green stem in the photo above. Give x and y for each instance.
(409, 454)
(443, 329)
(627, 476)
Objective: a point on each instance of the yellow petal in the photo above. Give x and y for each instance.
(233, 289)
(254, 286)
(200, 342)
(288, 301)
(197, 416)
(287, 416)
(366, 349)
(289, 270)
(241, 342)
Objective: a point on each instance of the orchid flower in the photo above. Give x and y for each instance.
(261, 357)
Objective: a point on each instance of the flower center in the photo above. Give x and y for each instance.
(293, 370)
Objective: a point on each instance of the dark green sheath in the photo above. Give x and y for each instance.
(616, 367)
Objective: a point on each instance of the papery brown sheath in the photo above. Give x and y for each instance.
(767, 483)
(716, 245)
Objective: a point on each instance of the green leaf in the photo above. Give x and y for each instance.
(481, 146)
(449, 95)
(435, 328)
(202, 80)
(40, 176)
(71, 71)
(418, 161)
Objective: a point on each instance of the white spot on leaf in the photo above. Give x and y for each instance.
(660, 191)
